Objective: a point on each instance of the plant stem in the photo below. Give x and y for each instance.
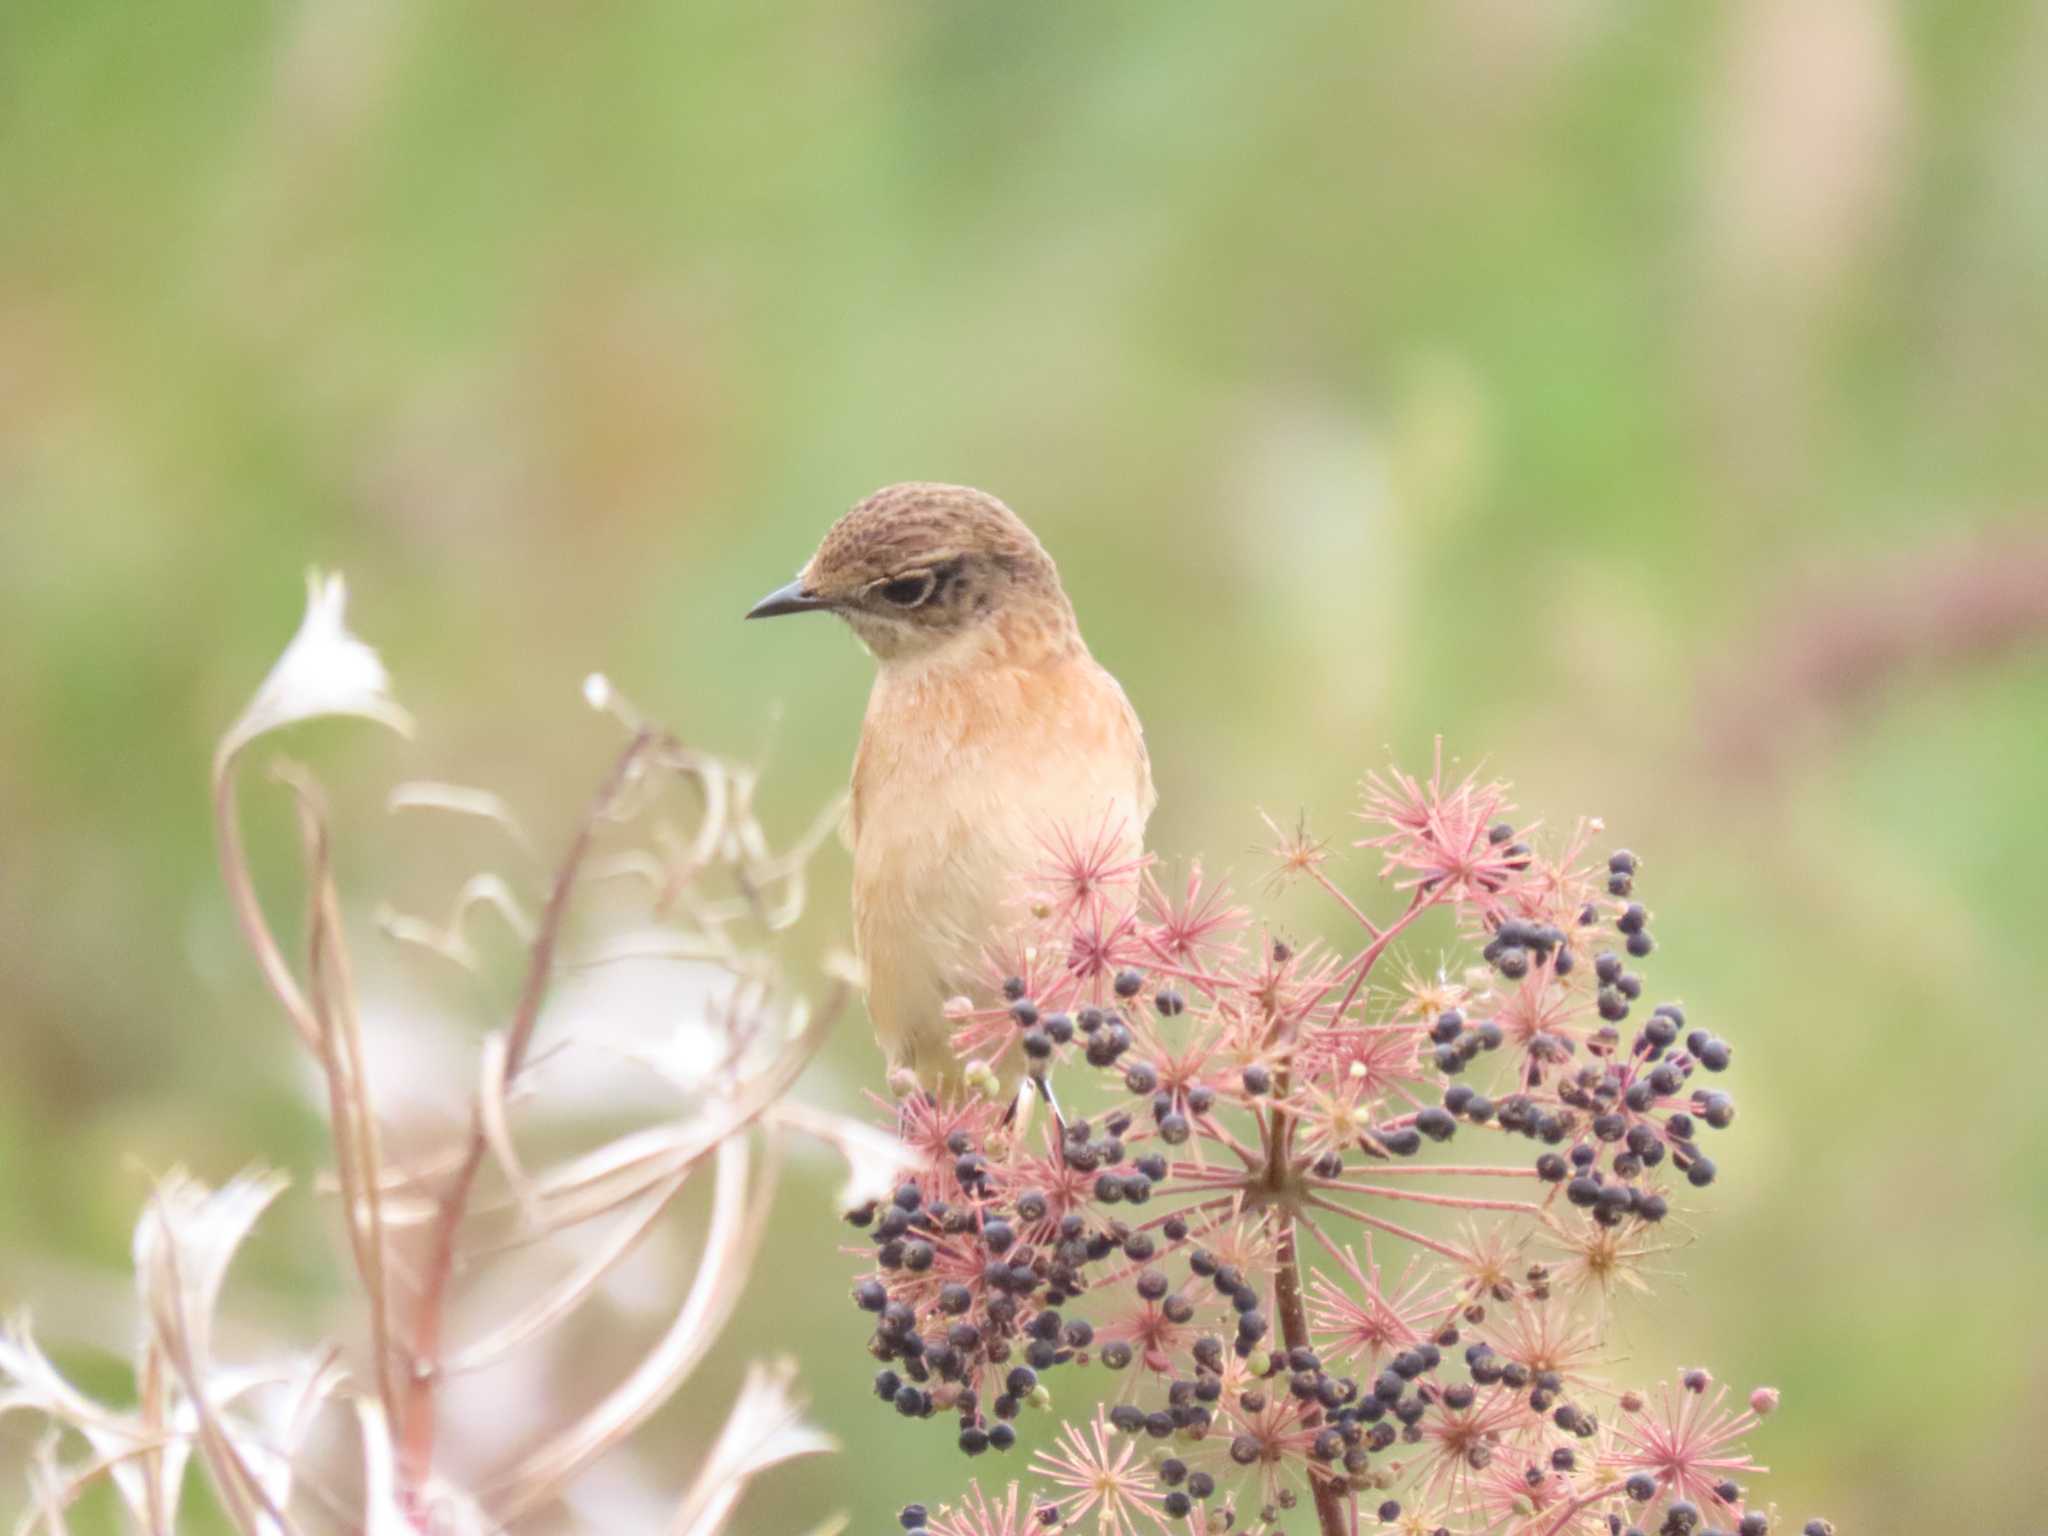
(1329, 1497)
(1277, 1136)
(1287, 1302)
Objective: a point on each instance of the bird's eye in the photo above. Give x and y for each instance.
(909, 591)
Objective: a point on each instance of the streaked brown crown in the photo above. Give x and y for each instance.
(918, 525)
(917, 562)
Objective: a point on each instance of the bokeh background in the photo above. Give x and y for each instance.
(1649, 399)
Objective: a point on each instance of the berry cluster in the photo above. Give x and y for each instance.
(1608, 1115)
(967, 1297)
(1240, 1121)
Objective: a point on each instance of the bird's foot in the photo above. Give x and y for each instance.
(1044, 1087)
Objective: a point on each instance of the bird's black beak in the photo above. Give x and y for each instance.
(789, 599)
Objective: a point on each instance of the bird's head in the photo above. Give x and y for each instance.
(917, 566)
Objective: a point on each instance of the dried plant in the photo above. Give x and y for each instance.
(471, 1250)
(1339, 1230)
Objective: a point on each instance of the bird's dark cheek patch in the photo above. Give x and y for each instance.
(948, 580)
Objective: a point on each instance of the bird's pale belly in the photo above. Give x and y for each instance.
(935, 884)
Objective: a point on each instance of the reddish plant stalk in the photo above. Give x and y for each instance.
(1287, 1301)
(422, 1379)
(1279, 1134)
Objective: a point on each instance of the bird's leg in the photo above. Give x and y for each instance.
(1044, 1087)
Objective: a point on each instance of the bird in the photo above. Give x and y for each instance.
(990, 731)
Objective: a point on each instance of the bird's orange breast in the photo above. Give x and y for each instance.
(964, 772)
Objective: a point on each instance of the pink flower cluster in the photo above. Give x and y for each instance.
(1289, 1226)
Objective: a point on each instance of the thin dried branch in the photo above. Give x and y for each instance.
(494, 1119)
(738, 1217)
(416, 1421)
(48, 1494)
(712, 873)
(358, 1160)
(555, 1305)
(599, 1182)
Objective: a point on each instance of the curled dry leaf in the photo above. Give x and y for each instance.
(875, 1160)
(183, 1245)
(450, 940)
(459, 800)
(247, 1422)
(324, 670)
(187, 1237)
(765, 1428)
(29, 1383)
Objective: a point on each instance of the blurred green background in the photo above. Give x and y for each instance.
(1648, 398)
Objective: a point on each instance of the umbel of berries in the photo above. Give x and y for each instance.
(1318, 1234)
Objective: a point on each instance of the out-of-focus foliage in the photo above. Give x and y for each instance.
(1649, 398)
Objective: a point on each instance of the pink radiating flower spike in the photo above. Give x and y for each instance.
(1688, 1438)
(1359, 1318)
(979, 1515)
(1105, 1476)
(1199, 929)
(1082, 868)
(1233, 1108)
(1440, 838)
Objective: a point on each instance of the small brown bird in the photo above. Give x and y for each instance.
(990, 731)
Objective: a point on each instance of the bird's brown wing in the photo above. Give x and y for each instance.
(1147, 797)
